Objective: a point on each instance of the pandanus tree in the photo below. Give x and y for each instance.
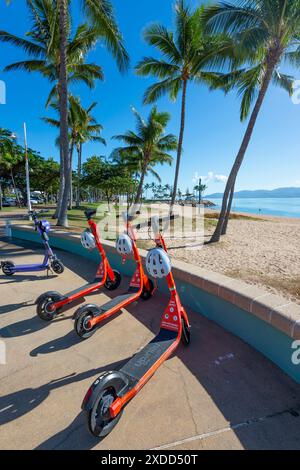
(147, 147)
(188, 56)
(266, 34)
(83, 128)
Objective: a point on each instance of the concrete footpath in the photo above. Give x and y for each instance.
(218, 393)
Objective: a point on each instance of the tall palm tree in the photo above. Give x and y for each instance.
(187, 56)
(42, 44)
(266, 33)
(82, 128)
(51, 37)
(101, 15)
(90, 132)
(148, 146)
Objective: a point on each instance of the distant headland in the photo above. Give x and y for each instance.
(262, 193)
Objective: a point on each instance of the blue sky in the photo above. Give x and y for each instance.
(213, 130)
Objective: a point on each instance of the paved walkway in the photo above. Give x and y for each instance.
(217, 394)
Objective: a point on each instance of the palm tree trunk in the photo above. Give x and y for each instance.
(70, 205)
(225, 225)
(71, 176)
(241, 154)
(61, 188)
(180, 142)
(63, 105)
(140, 186)
(1, 196)
(79, 175)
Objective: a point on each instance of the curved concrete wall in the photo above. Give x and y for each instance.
(269, 323)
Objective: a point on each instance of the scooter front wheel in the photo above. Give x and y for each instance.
(113, 285)
(44, 307)
(8, 268)
(99, 421)
(57, 266)
(82, 318)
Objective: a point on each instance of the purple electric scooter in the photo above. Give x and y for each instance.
(50, 262)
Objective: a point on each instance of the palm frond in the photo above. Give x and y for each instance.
(27, 46)
(156, 91)
(158, 36)
(159, 68)
(284, 81)
(103, 18)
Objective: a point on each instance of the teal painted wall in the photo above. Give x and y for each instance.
(262, 336)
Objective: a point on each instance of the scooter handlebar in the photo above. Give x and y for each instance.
(89, 213)
(34, 213)
(155, 221)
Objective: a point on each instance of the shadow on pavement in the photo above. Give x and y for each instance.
(26, 327)
(74, 437)
(17, 404)
(13, 307)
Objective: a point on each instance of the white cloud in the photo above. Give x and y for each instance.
(211, 176)
(221, 178)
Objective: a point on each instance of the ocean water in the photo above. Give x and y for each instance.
(280, 207)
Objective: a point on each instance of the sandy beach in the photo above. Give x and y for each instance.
(264, 252)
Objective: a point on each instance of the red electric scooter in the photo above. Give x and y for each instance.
(89, 318)
(50, 304)
(106, 398)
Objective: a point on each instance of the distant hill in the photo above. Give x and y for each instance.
(261, 193)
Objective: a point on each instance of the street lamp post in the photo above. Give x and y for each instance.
(27, 170)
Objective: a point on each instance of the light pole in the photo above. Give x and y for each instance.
(27, 170)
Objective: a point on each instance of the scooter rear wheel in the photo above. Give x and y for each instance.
(99, 421)
(82, 317)
(8, 268)
(43, 304)
(113, 285)
(147, 293)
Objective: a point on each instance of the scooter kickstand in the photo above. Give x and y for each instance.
(49, 269)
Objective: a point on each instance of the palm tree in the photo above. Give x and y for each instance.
(61, 59)
(88, 131)
(148, 146)
(147, 187)
(82, 128)
(101, 15)
(43, 46)
(266, 33)
(200, 188)
(188, 55)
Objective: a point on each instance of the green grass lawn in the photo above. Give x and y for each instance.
(110, 226)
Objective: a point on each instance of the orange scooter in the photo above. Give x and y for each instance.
(105, 400)
(50, 304)
(89, 318)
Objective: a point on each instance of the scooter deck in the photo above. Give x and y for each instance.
(141, 362)
(88, 286)
(120, 299)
